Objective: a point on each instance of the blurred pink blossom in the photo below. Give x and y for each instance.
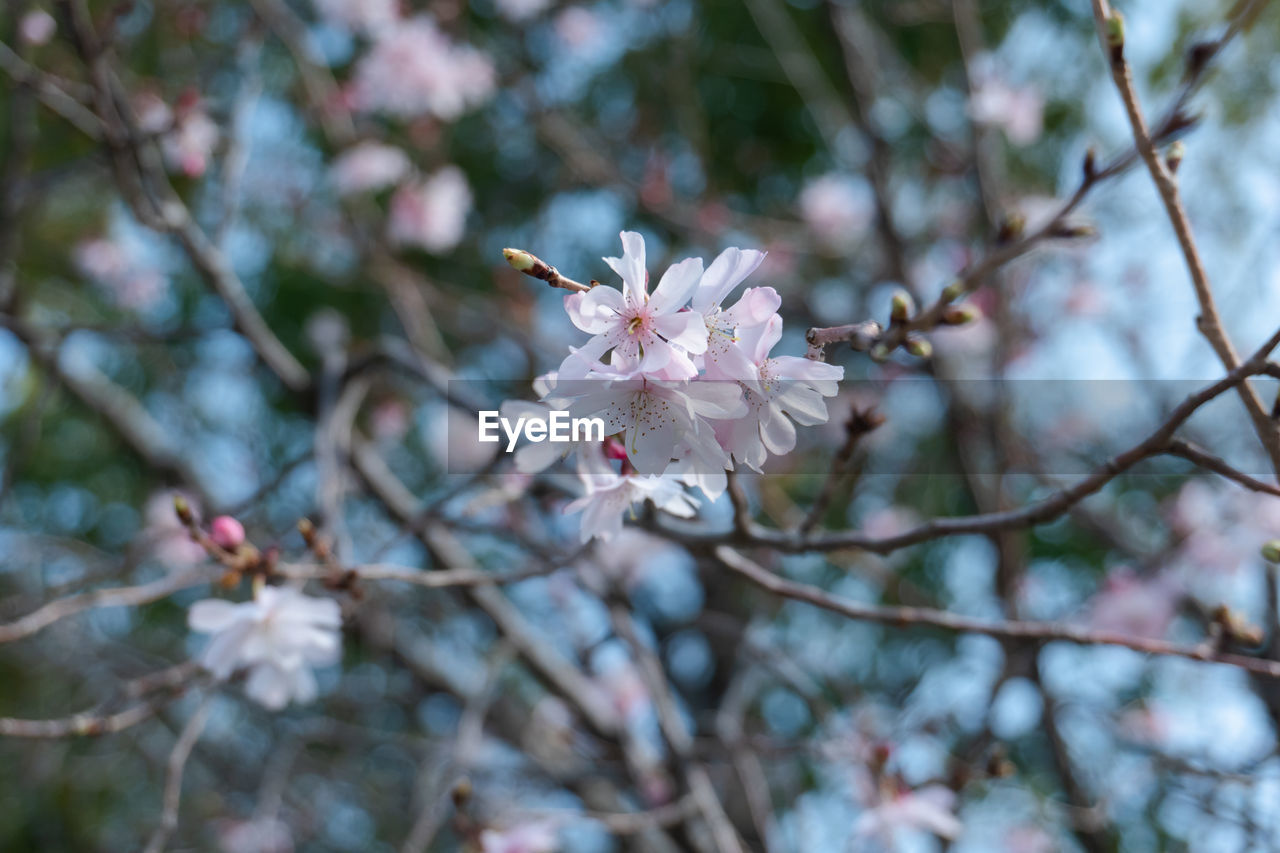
(1136, 606)
(188, 148)
(390, 420)
(368, 167)
(1029, 839)
(263, 835)
(431, 214)
(1223, 526)
(37, 27)
(535, 836)
(931, 808)
(889, 521)
(837, 208)
(414, 69)
(626, 690)
(1146, 724)
(115, 267)
(578, 27)
(152, 113)
(1016, 110)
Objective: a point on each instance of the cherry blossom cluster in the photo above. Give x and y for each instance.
(686, 384)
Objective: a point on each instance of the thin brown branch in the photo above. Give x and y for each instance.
(173, 779)
(986, 523)
(677, 734)
(122, 596)
(1011, 630)
(1206, 460)
(167, 684)
(1210, 321)
(449, 553)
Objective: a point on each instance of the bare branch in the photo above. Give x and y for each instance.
(173, 780)
(1012, 630)
(167, 684)
(1209, 322)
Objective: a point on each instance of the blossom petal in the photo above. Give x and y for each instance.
(631, 267)
(686, 328)
(756, 306)
(269, 686)
(651, 439)
(213, 614)
(726, 272)
(592, 310)
(676, 286)
(777, 432)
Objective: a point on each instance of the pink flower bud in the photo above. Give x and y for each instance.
(226, 532)
(613, 449)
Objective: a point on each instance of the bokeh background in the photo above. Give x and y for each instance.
(360, 167)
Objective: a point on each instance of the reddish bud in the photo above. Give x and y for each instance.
(226, 532)
(613, 449)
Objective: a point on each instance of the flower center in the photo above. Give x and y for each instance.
(635, 324)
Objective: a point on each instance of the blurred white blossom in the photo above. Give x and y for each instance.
(534, 836)
(369, 167)
(838, 209)
(37, 27)
(278, 636)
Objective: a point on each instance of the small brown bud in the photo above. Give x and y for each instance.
(1012, 227)
(183, 509)
(1198, 58)
(1090, 166)
(308, 530)
(1173, 157)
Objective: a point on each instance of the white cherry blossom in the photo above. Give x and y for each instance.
(611, 495)
(783, 389)
(278, 636)
(723, 359)
(657, 418)
(647, 331)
